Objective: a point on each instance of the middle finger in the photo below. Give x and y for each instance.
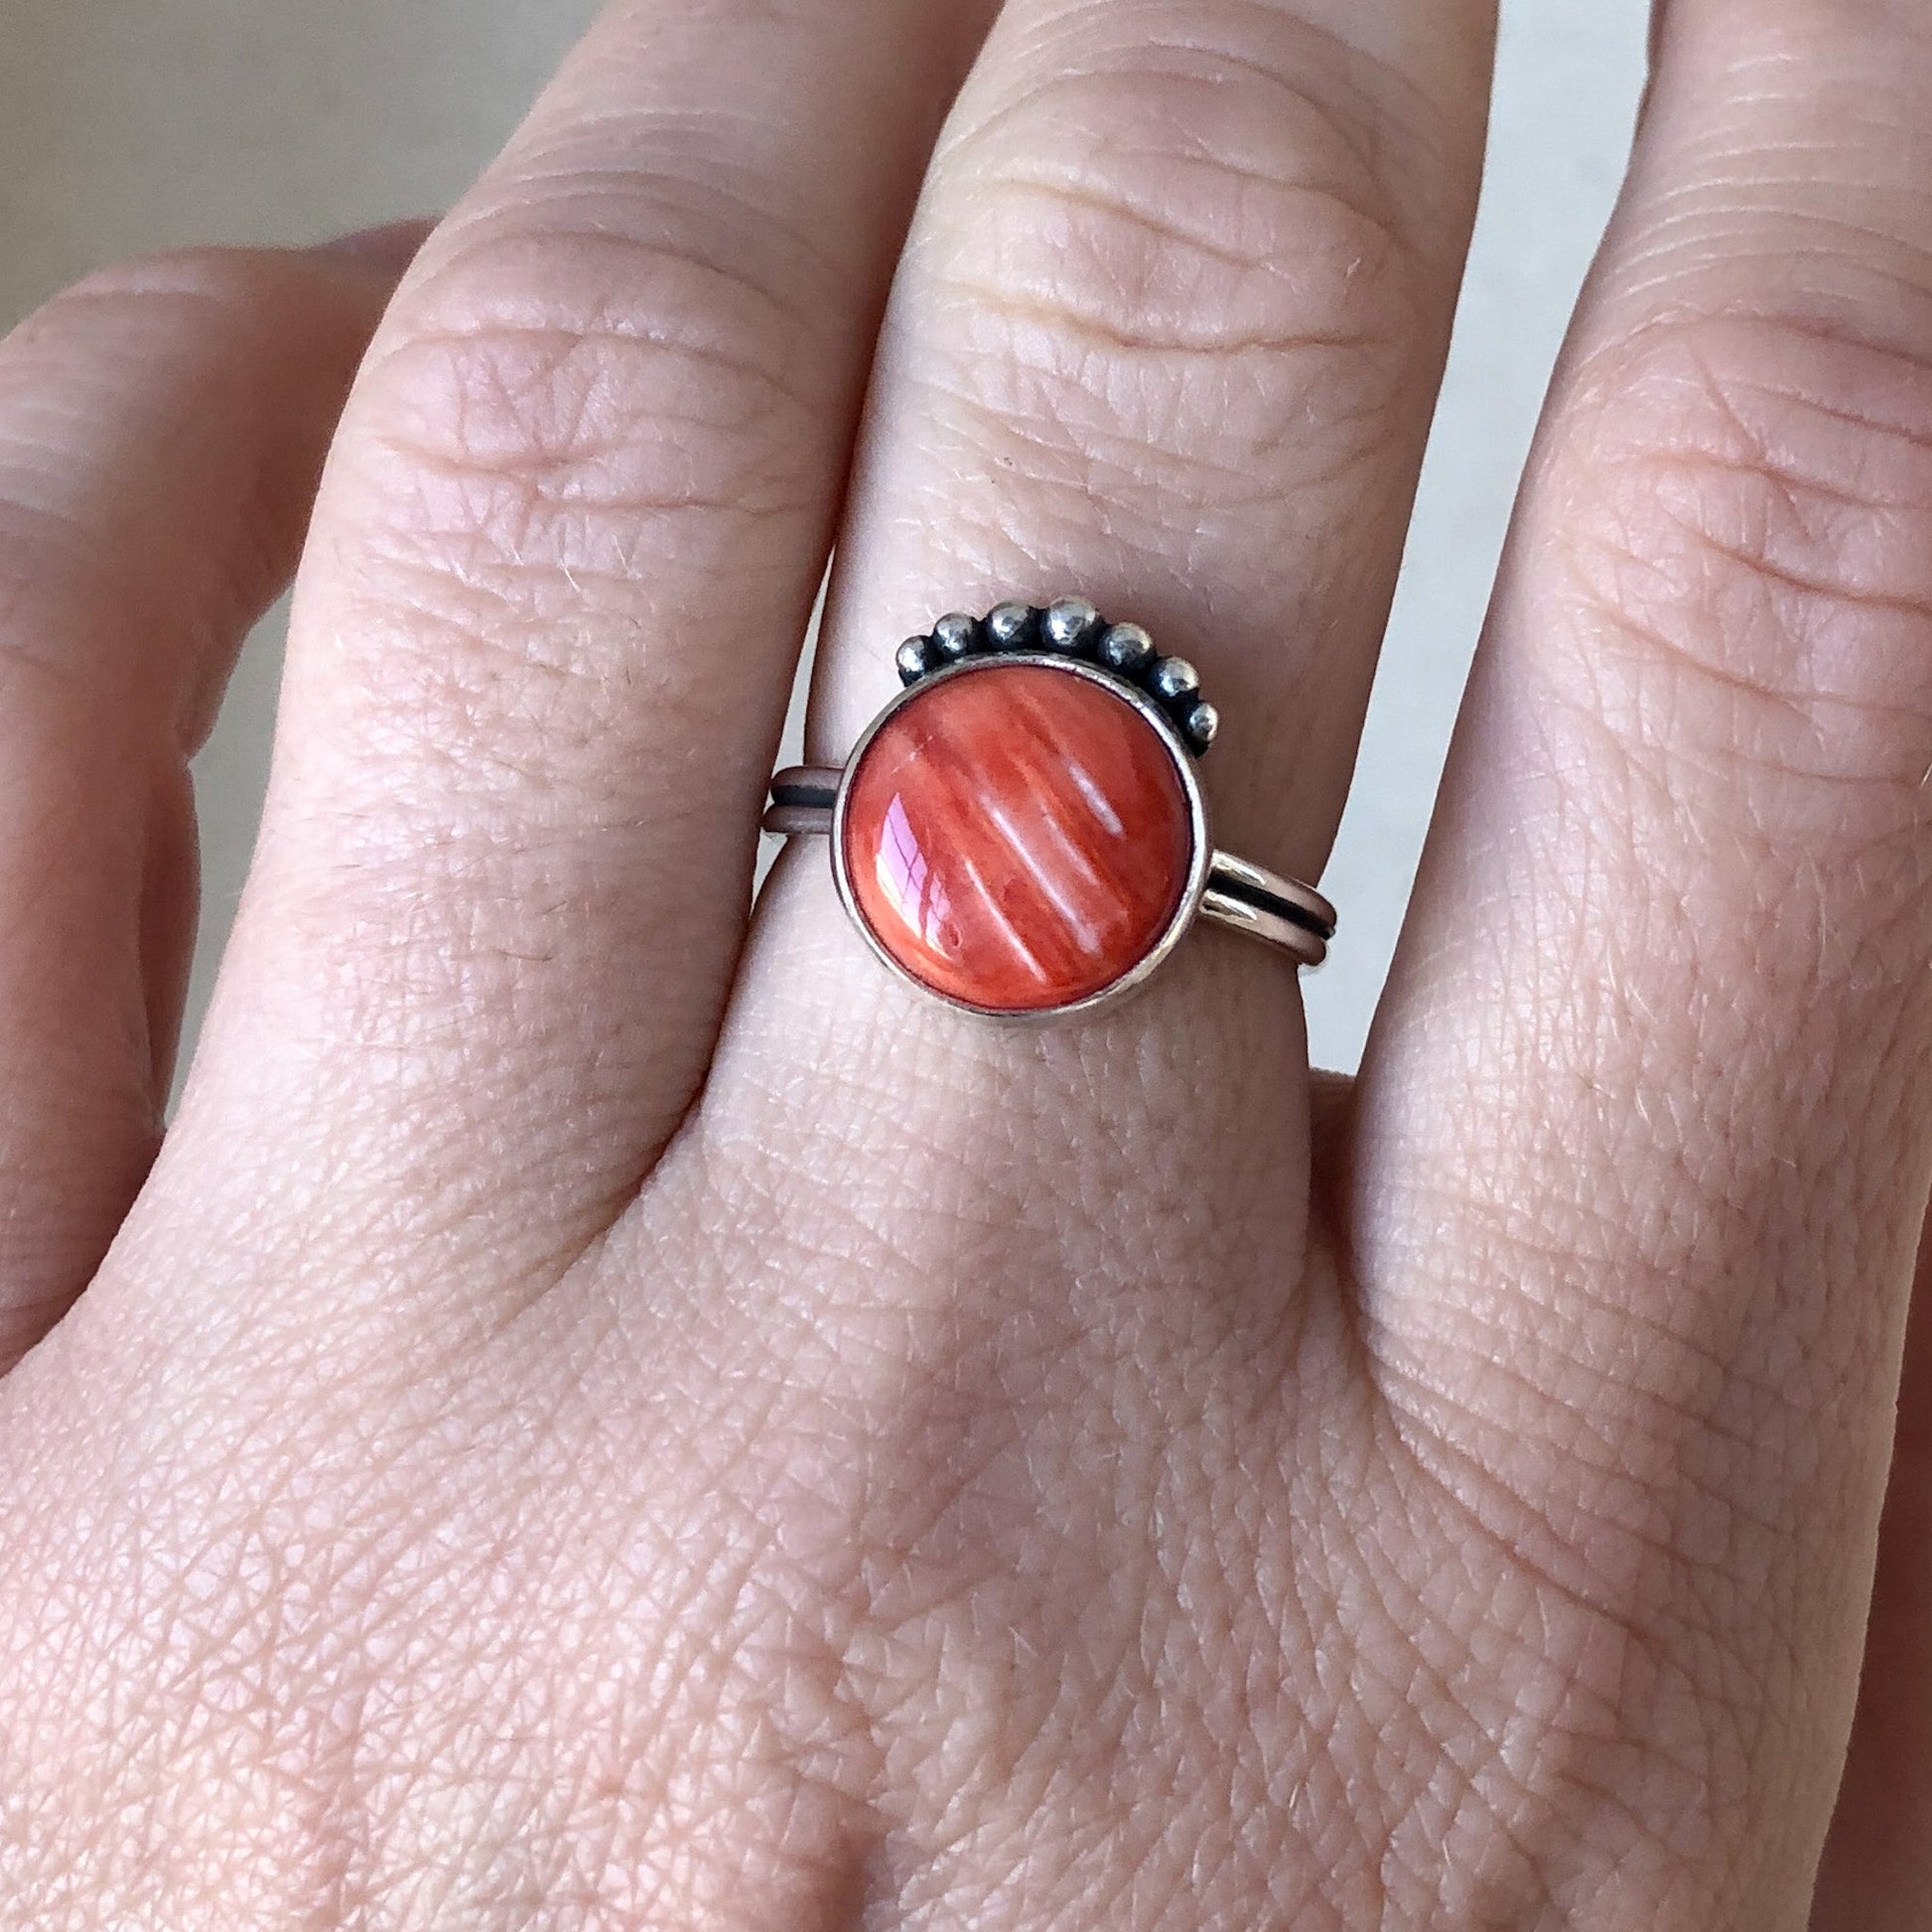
(1018, 1311)
(569, 542)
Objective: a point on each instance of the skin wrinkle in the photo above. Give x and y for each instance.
(548, 505)
(1596, 1598)
(1478, 1353)
(1689, 526)
(1048, 404)
(1111, 305)
(1710, 1369)
(139, 311)
(610, 328)
(1303, 57)
(1035, 438)
(1229, 230)
(717, 200)
(1103, 338)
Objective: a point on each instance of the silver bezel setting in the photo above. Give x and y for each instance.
(1200, 859)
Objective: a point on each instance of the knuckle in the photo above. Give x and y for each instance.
(555, 396)
(223, 284)
(116, 390)
(1750, 543)
(132, 343)
(574, 430)
(1162, 233)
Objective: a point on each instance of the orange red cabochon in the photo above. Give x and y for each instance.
(1017, 838)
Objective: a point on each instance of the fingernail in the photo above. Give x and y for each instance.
(391, 246)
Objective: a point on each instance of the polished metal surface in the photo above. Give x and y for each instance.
(1241, 878)
(1258, 922)
(797, 821)
(802, 798)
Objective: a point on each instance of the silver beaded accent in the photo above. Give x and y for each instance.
(1012, 627)
(957, 636)
(916, 656)
(1128, 649)
(1173, 682)
(1070, 626)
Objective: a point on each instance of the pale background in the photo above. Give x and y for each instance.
(132, 124)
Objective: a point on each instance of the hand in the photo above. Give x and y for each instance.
(595, 1421)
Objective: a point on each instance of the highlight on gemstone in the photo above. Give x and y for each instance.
(1017, 836)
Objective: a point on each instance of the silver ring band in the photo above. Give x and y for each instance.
(1264, 905)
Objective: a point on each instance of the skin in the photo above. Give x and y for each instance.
(598, 1418)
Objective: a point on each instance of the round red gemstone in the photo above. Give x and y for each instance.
(1017, 836)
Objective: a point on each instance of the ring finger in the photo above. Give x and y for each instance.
(1166, 332)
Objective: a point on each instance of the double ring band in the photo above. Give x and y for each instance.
(1021, 832)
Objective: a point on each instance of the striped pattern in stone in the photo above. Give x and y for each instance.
(1017, 836)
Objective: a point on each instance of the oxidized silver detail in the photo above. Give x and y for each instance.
(1069, 628)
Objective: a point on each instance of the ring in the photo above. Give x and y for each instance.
(1021, 832)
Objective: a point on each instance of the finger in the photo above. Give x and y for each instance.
(1876, 1875)
(1643, 1135)
(1167, 334)
(161, 428)
(563, 563)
